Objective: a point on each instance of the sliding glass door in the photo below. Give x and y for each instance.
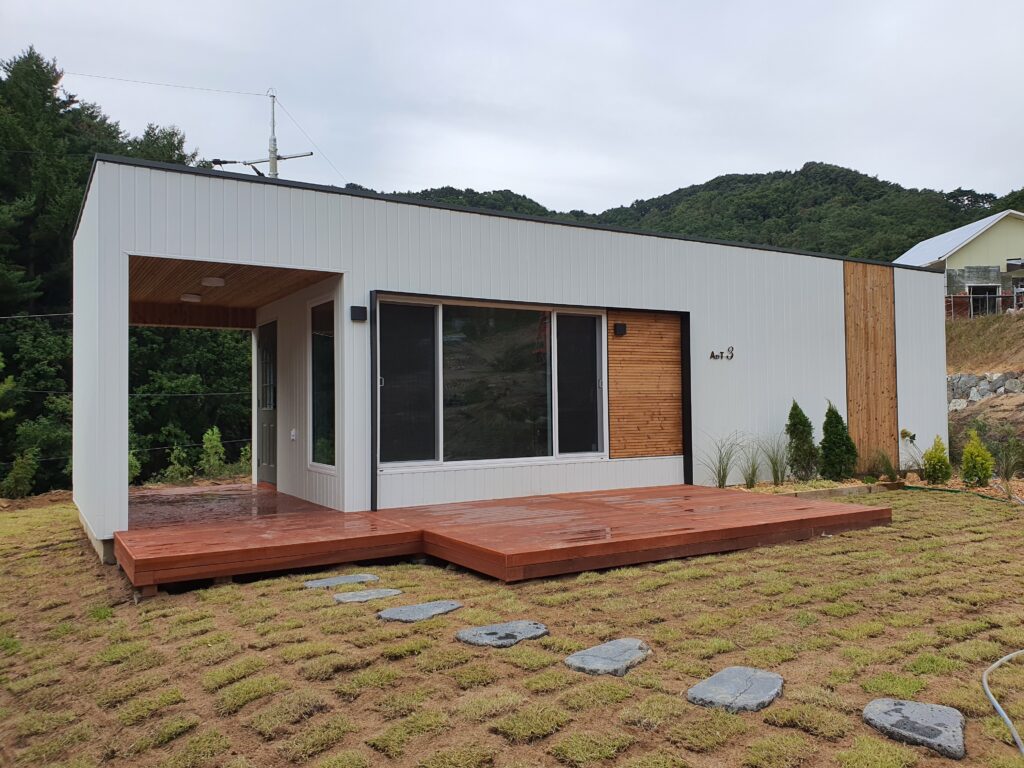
(472, 382)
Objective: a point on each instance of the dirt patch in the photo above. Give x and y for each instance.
(31, 502)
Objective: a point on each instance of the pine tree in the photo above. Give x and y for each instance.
(803, 453)
(838, 453)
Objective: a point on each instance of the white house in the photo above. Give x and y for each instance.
(408, 353)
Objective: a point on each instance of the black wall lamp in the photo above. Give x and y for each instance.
(620, 329)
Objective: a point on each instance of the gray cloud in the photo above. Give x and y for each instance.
(577, 104)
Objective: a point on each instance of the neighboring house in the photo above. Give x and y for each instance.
(410, 353)
(983, 262)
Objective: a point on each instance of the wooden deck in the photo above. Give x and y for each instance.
(257, 530)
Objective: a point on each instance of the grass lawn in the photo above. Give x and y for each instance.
(267, 673)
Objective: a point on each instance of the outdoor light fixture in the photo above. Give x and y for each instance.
(191, 298)
(213, 282)
(620, 329)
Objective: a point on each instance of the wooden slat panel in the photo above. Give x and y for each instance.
(871, 360)
(184, 315)
(158, 280)
(644, 385)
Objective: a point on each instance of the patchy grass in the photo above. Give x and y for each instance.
(582, 749)
(532, 722)
(270, 674)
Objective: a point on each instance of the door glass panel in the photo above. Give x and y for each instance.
(322, 377)
(497, 383)
(408, 393)
(579, 376)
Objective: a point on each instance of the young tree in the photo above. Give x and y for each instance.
(936, 468)
(838, 453)
(977, 464)
(803, 453)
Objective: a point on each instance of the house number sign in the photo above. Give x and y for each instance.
(729, 353)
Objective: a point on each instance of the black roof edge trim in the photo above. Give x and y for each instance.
(393, 198)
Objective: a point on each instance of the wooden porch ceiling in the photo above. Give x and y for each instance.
(155, 287)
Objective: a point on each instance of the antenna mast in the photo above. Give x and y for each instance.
(272, 156)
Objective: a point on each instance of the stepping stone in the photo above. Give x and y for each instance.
(926, 725)
(737, 689)
(365, 594)
(502, 635)
(334, 581)
(420, 611)
(615, 657)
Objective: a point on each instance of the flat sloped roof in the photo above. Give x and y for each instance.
(394, 198)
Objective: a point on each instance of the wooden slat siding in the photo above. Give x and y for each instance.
(185, 315)
(509, 539)
(644, 385)
(158, 280)
(871, 360)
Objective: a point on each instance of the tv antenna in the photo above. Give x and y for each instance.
(272, 157)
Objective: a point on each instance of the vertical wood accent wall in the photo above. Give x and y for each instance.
(644, 385)
(871, 360)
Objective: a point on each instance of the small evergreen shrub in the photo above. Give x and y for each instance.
(838, 453)
(935, 468)
(977, 463)
(882, 466)
(19, 480)
(803, 453)
(212, 462)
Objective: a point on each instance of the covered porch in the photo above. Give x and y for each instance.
(227, 531)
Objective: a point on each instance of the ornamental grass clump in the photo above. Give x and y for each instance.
(750, 464)
(722, 457)
(936, 468)
(776, 456)
(803, 453)
(838, 453)
(977, 463)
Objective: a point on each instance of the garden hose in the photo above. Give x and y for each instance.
(992, 699)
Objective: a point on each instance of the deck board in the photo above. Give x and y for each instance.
(248, 529)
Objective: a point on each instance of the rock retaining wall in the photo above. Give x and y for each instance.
(963, 389)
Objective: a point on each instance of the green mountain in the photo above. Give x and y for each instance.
(820, 207)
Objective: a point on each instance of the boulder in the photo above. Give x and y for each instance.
(957, 404)
(938, 728)
(975, 395)
(1013, 385)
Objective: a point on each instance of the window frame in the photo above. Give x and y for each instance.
(311, 304)
(439, 462)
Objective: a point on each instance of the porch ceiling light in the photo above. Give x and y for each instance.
(191, 298)
(213, 282)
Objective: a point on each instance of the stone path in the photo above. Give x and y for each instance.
(615, 657)
(420, 611)
(366, 594)
(502, 635)
(737, 689)
(927, 725)
(334, 581)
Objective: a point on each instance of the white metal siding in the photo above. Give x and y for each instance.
(294, 474)
(783, 314)
(921, 358)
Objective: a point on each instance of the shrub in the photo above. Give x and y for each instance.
(750, 463)
(803, 453)
(21, 477)
(1008, 453)
(134, 467)
(722, 457)
(244, 464)
(838, 453)
(935, 467)
(978, 463)
(776, 454)
(179, 468)
(212, 463)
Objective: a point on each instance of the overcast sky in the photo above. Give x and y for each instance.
(576, 104)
